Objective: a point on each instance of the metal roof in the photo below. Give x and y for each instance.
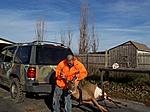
(138, 46)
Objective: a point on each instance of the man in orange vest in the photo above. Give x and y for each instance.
(68, 69)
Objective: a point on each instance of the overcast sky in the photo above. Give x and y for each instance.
(117, 21)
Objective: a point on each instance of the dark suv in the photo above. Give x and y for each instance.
(30, 67)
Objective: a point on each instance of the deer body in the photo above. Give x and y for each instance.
(90, 93)
(89, 90)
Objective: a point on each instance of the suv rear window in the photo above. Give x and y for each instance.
(23, 55)
(51, 54)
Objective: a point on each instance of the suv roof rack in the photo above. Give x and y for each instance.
(39, 43)
(49, 42)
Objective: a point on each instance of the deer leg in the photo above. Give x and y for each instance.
(99, 106)
(116, 102)
(87, 102)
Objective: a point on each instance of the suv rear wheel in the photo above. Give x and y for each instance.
(16, 91)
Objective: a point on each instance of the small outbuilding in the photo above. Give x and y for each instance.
(130, 55)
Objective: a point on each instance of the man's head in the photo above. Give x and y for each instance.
(70, 59)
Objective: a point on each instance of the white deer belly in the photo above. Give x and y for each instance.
(98, 93)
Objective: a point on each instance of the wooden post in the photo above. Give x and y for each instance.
(149, 76)
(87, 62)
(102, 81)
(137, 60)
(106, 58)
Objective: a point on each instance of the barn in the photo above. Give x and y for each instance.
(130, 55)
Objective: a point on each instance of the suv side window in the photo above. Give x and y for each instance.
(23, 55)
(7, 55)
(1, 57)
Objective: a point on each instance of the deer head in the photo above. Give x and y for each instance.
(71, 86)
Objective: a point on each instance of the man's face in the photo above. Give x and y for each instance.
(70, 62)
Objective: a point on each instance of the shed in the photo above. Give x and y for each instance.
(130, 54)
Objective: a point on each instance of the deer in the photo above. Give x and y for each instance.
(90, 94)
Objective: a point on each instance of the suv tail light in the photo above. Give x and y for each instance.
(31, 73)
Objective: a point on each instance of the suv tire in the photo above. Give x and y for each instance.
(16, 91)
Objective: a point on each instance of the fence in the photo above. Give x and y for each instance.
(143, 61)
(94, 61)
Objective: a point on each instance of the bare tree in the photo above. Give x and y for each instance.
(70, 34)
(40, 30)
(94, 37)
(66, 39)
(62, 37)
(84, 37)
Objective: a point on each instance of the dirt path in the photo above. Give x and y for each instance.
(42, 104)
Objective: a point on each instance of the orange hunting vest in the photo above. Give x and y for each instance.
(69, 72)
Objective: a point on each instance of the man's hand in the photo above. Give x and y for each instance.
(62, 75)
(77, 73)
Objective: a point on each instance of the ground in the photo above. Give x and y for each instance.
(43, 104)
